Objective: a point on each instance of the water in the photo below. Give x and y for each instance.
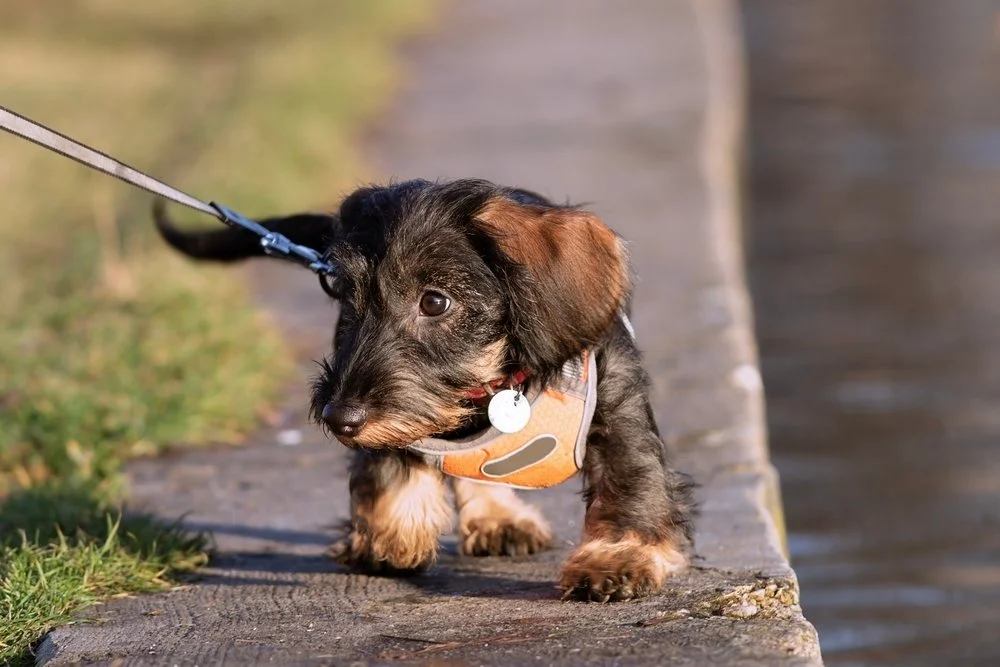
(874, 257)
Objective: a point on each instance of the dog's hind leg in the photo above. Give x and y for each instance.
(494, 521)
(399, 509)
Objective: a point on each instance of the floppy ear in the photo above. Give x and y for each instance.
(573, 278)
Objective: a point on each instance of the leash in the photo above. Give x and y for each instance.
(273, 243)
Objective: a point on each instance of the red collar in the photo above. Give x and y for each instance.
(513, 380)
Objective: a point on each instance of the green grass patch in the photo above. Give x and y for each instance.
(112, 347)
(80, 550)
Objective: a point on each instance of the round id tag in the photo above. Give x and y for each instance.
(509, 411)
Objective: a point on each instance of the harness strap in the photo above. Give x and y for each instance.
(547, 451)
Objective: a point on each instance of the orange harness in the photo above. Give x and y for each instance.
(547, 451)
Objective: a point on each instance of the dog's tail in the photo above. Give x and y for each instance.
(231, 244)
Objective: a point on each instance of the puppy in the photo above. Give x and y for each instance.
(445, 287)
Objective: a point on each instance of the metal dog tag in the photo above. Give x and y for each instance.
(509, 411)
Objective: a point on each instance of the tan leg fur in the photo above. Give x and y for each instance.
(605, 569)
(396, 526)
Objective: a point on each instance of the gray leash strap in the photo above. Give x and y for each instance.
(272, 242)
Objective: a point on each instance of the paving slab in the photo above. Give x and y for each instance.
(633, 108)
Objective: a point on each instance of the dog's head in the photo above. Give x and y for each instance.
(446, 287)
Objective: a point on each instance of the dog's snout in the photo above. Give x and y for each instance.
(345, 419)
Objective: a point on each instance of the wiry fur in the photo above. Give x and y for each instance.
(531, 285)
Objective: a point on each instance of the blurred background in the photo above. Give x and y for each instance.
(874, 236)
(872, 190)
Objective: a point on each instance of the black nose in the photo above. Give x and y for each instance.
(344, 418)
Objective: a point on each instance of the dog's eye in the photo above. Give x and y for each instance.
(433, 304)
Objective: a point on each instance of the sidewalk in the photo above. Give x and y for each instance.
(576, 99)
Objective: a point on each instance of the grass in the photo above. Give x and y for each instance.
(112, 347)
(80, 551)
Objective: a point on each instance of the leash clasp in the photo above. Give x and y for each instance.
(276, 244)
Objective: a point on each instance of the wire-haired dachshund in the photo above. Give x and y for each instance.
(449, 286)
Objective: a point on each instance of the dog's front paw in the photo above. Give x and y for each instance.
(358, 551)
(505, 536)
(493, 521)
(602, 570)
